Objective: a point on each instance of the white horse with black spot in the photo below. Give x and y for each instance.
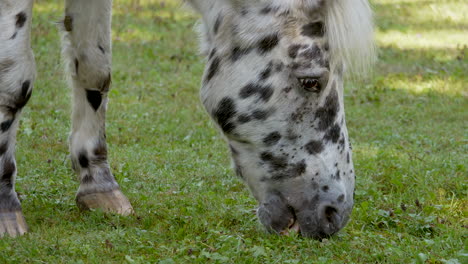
(273, 83)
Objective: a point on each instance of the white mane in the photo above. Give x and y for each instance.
(350, 33)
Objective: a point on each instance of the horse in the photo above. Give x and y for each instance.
(273, 84)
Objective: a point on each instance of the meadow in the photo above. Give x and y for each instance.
(408, 125)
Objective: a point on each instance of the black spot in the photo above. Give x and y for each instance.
(336, 176)
(5, 125)
(333, 134)
(312, 53)
(101, 49)
(23, 98)
(25, 88)
(238, 53)
(243, 118)
(87, 179)
(342, 140)
(244, 11)
(212, 53)
(268, 43)
(260, 114)
(265, 74)
(301, 113)
(347, 157)
(299, 168)
(263, 91)
(292, 171)
(328, 112)
(314, 147)
(83, 159)
(248, 90)
(340, 198)
(325, 188)
(279, 67)
(275, 162)
(20, 19)
(293, 50)
(77, 65)
(212, 69)
(68, 23)
(272, 138)
(267, 9)
(14, 35)
(295, 65)
(314, 29)
(9, 169)
(266, 93)
(3, 148)
(225, 111)
(217, 24)
(94, 98)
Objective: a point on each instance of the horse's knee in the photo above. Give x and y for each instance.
(87, 66)
(86, 45)
(16, 83)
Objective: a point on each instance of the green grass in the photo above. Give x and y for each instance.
(408, 128)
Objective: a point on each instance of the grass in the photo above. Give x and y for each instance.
(408, 128)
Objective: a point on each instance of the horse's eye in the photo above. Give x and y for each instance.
(310, 84)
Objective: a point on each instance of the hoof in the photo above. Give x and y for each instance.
(111, 201)
(12, 223)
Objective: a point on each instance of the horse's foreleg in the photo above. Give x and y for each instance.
(87, 50)
(17, 72)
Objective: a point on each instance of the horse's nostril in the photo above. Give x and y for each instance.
(329, 219)
(330, 213)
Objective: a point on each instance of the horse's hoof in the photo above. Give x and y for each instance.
(12, 223)
(111, 201)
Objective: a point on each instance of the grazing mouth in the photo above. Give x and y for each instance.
(320, 232)
(319, 220)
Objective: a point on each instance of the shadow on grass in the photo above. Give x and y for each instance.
(404, 16)
(441, 62)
